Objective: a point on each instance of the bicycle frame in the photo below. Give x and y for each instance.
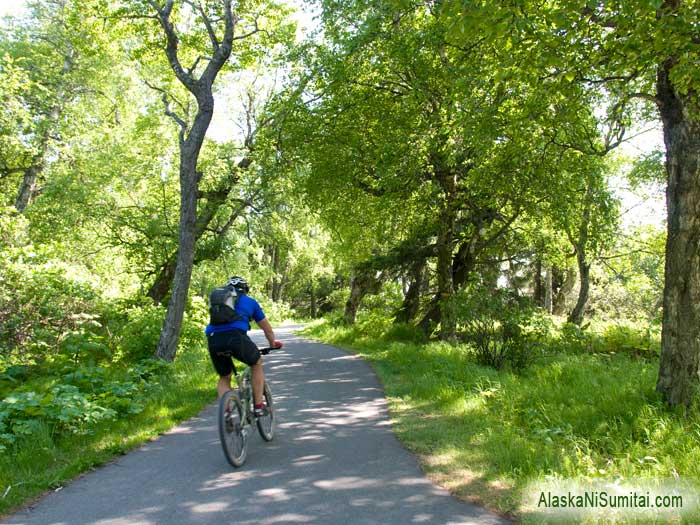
(245, 392)
(236, 417)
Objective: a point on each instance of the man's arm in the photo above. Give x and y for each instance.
(266, 327)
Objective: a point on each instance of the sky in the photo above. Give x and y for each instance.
(11, 7)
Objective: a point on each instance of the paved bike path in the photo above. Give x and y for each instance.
(334, 460)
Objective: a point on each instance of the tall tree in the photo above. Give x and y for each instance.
(464, 157)
(190, 143)
(208, 31)
(61, 54)
(627, 52)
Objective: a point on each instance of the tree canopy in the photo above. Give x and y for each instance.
(428, 152)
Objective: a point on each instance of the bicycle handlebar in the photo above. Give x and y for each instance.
(268, 349)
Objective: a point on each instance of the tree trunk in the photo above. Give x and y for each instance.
(411, 301)
(464, 262)
(189, 182)
(432, 316)
(268, 251)
(448, 326)
(548, 292)
(214, 201)
(278, 276)
(28, 189)
(362, 283)
(161, 285)
(679, 371)
(275, 264)
(584, 267)
(462, 267)
(357, 292)
(538, 288)
(562, 295)
(580, 245)
(445, 247)
(312, 307)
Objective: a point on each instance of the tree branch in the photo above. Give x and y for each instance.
(223, 51)
(207, 24)
(647, 96)
(165, 97)
(378, 87)
(176, 118)
(250, 33)
(196, 63)
(172, 45)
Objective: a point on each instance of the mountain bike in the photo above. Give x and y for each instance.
(236, 417)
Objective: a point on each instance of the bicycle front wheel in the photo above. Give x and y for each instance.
(233, 438)
(266, 423)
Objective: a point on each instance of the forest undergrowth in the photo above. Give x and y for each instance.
(587, 413)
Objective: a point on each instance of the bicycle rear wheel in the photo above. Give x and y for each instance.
(233, 438)
(266, 423)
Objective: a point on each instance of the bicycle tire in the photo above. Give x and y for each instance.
(266, 424)
(233, 438)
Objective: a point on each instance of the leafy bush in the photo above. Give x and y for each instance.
(631, 287)
(49, 312)
(335, 301)
(45, 314)
(503, 329)
(138, 336)
(575, 338)
(196, 318)
(404, 332)
(277, 312)
(137, 330)
(80, 399)
(630, 339)
(372, 322)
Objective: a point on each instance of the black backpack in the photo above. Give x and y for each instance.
(222, 304)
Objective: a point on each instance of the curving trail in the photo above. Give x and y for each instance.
(334, 460)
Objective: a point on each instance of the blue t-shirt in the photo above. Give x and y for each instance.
(246, 307)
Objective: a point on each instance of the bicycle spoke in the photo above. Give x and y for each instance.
(266, 423)
(231, 431)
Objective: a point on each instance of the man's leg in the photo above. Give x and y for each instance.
(257, 378)
(224, 385)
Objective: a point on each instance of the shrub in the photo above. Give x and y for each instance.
(196, 318)
(81, 398)
(404, 332)
(503, 329)
(276, 311)
(575, 338)
(630, 339)
(138, 336)
(611, 338)
(45, 314)
(49, 311)
(335, 302)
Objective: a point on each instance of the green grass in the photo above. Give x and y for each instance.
(487, 435)
(43, 462)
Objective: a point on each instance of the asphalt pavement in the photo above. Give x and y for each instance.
(334, 460)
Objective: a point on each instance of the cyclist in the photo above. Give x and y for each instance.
(233, 339)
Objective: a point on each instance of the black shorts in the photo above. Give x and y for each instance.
(231, 343)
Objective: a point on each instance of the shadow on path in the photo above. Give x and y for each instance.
(334, 460)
